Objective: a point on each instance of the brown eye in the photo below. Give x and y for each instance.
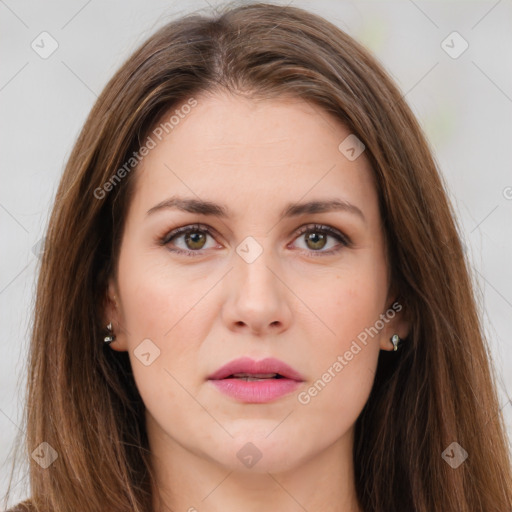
(195, 239)
(189, 240)
(316, 240)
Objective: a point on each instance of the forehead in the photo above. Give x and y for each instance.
(252, 154)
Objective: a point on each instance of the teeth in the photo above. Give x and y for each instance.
(255, 376)
(250, 379)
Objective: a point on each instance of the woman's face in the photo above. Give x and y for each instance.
(253, 284)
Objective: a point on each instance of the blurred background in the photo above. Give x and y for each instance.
(451, 59)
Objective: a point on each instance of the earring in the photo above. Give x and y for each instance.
(110, 337)
(395, 339)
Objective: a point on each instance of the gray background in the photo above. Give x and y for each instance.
(464, 105)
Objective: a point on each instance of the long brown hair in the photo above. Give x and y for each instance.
(439, 389)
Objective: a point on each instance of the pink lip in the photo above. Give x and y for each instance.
(259, 391)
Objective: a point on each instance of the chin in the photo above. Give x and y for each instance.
(259, 454)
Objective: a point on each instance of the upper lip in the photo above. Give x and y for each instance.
(252, 367)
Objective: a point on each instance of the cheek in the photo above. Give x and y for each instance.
(159, 308)
(352, 299)
(345, 356)
(343, 363)
(332, 403)
(158, 298)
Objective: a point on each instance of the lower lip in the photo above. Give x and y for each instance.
(256, 391)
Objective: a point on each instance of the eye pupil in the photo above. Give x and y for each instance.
(318, 240)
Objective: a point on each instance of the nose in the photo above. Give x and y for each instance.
(257, 300)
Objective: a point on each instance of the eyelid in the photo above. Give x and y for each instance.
(203, 228)
(196, 227)
(324, 228)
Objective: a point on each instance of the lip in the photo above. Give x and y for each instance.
(257, 391)
(248, 365)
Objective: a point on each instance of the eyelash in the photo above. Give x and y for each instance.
(310, 228)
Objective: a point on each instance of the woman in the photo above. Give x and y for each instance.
(253, 294)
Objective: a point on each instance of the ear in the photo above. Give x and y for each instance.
(395, 321)
(112, 313)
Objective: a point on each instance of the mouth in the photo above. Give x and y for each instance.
(251, 381)
(249, 369)
(248, 377)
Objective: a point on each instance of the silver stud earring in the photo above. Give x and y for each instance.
(395, 339)
(110, 337)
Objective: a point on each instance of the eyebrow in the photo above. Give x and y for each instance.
(202, 207)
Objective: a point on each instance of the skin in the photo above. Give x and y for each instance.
(292, 303)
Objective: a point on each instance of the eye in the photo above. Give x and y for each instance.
(192, 239)
(316, 239)
(188, 239)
